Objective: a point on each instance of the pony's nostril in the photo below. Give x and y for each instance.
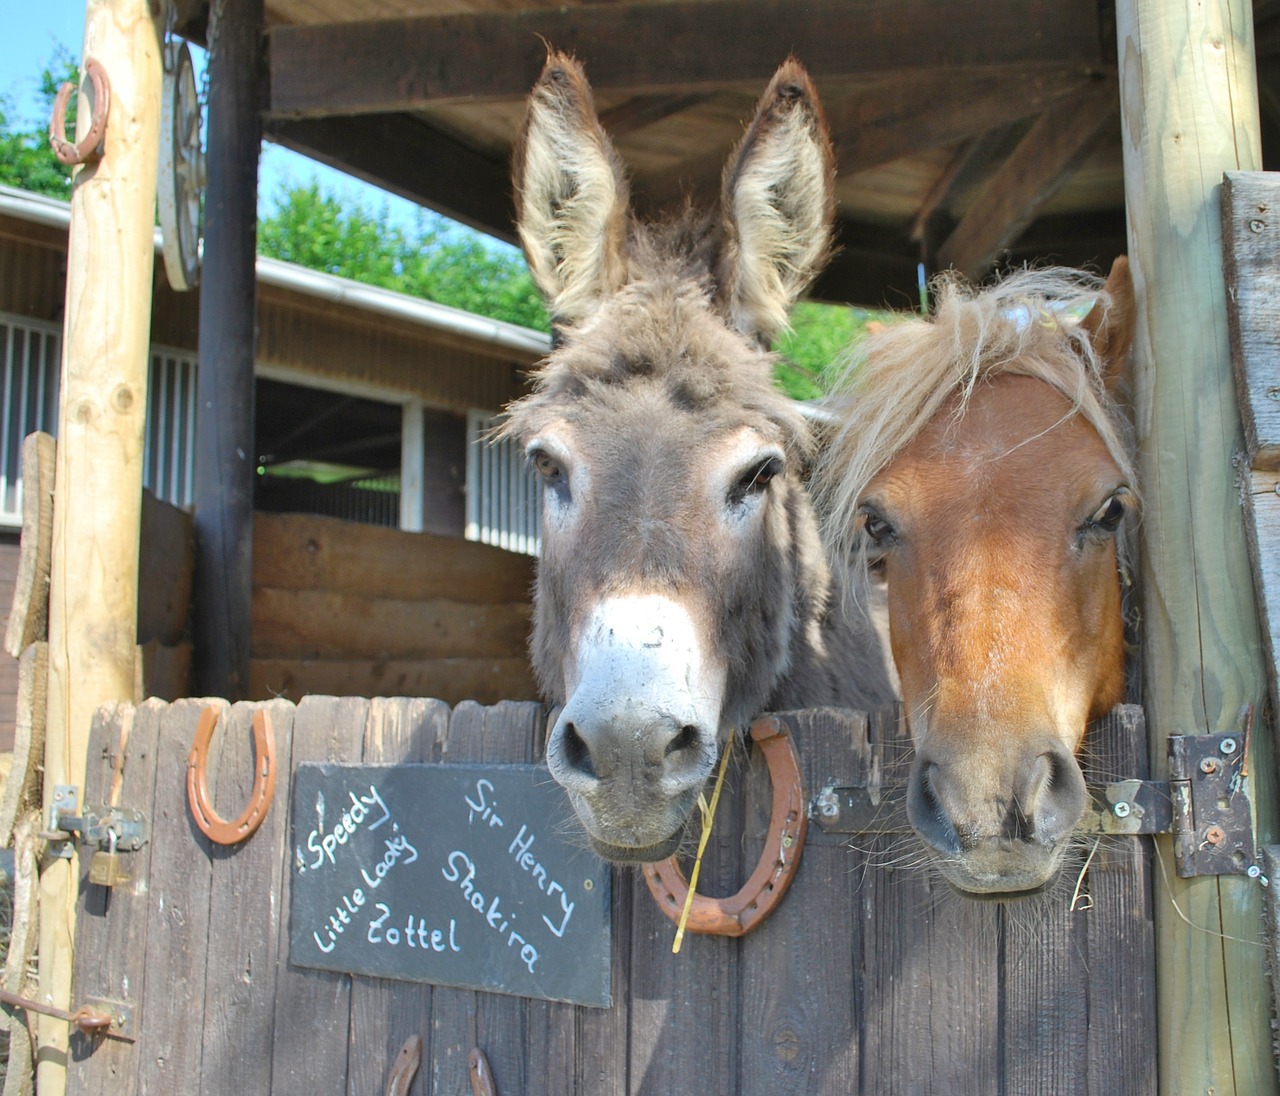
(928, 815)
(576, 752)
(687, 739)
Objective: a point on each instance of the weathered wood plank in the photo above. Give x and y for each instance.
(297, 624)
(20, 956)
(800, 1018)
(454, 1011)
(1189, 113)
(111, 926)
(303, 552)
(311, 1006)
(453, 680)
(1250, 243)
(407, 64)
(1056, 143)
(165, 567)
(165, 672)
(246, 918)
(384, 1013)
(1262, 502)
(1119, 965)
(178, 929)
(29, 613)
(22, 792)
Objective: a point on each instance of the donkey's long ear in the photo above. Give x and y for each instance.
(1110, 328)
(571, 194)
(779, 201)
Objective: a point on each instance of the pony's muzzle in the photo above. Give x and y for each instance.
(957, 808)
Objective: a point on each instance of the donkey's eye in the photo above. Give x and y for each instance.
(1110, 514)
(547, 467)
(755, 479)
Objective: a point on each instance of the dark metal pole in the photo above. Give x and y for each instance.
(224, 454)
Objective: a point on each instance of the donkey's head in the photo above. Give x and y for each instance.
(679, 554)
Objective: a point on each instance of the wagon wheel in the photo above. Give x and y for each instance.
(788, 823)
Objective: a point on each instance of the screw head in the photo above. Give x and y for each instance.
(1254, 871)
(1208, 765)
(828, 804)
(1215, 835)
(1121, 809)
(1228, 746)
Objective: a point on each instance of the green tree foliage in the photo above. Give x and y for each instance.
(817, 340)
(26, 160)
(431, 257)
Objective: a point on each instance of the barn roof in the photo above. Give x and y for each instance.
(967, 131)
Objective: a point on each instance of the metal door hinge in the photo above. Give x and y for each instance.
(1204, 805)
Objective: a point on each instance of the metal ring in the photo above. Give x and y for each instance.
(212, 825)
(788, 824)
(89, 148)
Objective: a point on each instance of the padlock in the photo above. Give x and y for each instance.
(106, 866)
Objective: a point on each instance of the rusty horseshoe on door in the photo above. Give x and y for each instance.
(216, 828)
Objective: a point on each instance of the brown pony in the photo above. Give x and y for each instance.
(981, 460)
(682, 586)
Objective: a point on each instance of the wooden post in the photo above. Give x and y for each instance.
(1190, 112)
(225, 458)
(98, 478)
(412, 456)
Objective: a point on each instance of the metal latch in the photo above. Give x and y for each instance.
(1204, 804)
(108, 831)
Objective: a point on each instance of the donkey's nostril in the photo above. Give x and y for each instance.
(576, 752)
(685, 740)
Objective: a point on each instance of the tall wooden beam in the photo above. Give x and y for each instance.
(1054, 145)
(1190, 113)
(224, 450)
(93, 593)
(680, 47)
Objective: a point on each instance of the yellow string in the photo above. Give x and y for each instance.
(708, 817)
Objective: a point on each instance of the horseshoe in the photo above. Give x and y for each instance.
(213, 825)
(89, 148)
(788, 823)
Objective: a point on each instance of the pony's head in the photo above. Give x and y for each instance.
(980, 458)
(679, 553)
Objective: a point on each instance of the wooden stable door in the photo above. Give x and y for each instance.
(871, 977)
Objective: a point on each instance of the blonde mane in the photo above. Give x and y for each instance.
(898, 378)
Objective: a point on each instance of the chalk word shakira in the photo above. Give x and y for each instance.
(461, 869)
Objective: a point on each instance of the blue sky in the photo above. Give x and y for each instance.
(35, 28)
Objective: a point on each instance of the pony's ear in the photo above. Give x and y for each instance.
(571, 194)
(1110, 327)
(778, 200)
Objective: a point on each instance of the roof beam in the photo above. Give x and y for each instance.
(400, 154)
(1054, 145)
(674, 48)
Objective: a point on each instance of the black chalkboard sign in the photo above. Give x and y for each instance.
(460, 875)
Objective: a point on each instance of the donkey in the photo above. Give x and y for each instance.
(682, 586)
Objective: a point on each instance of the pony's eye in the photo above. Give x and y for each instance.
(879, 532)
(1110, 514)
(547, 467)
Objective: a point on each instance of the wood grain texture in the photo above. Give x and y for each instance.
(1263, 506)
(300, 624)
(20, 957)
(453, 680)
(1250, 244)
(312, 1008)
(165, 566)
(303, 552)
(112, 922)
(384, 1013)
(178, 910)
(1053, 147)
(22, 789)
(406, 64)
(29, 613)
(1189, 113)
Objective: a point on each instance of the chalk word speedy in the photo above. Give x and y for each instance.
(322, 843)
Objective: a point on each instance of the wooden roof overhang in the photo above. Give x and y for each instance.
(967, 131)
